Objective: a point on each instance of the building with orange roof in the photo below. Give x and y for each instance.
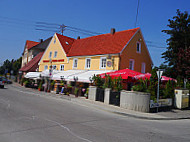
(112, 51)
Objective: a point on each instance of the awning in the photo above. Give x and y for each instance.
(33, 75)
(66, 74)
(84, 76)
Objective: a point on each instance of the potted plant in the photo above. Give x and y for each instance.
(86, 94)
(26, 83)
(40, 86)
(76, 91)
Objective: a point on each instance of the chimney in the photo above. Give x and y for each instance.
(41, 40)
(78, 37)
(112, 31)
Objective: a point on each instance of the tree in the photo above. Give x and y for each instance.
(178, 50)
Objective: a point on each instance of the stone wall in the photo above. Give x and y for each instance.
(92, 93)
(137, 101)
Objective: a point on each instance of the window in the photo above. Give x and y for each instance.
(54, 67)
(45, 67)
(50, 54)
(143, 66)
(138, 47)
(61, 67)
(55, 54)
(88, 60)
(75, 61)
(54, 41)
(131, 64)
(103, 63)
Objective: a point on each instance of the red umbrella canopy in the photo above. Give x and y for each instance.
(165, 78)
(125, 73)
(143, 76)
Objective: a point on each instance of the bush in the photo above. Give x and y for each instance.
(40, 85)
(26, 83)
(141, 87)
(168, 92)
(76, 91)
(97, 81)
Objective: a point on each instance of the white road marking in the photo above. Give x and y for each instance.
(66, 128)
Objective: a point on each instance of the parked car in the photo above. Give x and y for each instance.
(1, 83)
(5, 80)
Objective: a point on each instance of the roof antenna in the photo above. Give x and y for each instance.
(137, 13)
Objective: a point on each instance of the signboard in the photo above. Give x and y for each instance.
(109, 63)
(161, 103)
(159, 74)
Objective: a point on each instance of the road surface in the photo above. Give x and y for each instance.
(28, 116)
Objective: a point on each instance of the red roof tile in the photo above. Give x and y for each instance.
(30, 44)
(102, 44)
(66, 42)
(33, 64)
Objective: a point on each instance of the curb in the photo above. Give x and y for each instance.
(87, 104)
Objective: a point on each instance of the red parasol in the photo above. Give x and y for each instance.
(125, 73)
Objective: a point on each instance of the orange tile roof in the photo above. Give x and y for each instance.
(33, 64)
(66, 42)
(102, 44)
(30, 44)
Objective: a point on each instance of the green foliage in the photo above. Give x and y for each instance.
(97, 81)
(76, 90)
(14, 65)
(141, 87)
(168, 92)
(152, 88)
(178, 51)
(26, 83)
(118, 84)
(53, 83)
(40, 85)
(107, 82)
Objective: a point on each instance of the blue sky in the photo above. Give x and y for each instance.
(18, 20)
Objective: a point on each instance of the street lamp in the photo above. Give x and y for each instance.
(90, 78)
(159, 74)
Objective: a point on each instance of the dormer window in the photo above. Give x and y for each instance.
(138, 47)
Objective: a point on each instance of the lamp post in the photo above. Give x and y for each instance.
(75, 79)
(159, 74)
(90, 78)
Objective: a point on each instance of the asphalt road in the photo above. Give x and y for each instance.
(28, 116)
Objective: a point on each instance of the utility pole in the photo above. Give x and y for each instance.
(62, 28)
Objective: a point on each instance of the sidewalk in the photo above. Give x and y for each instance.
(174, 114)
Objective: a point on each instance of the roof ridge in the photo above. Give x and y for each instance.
(110, 34)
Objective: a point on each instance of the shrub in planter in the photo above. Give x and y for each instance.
(40, 86)
(26, 83)
(76, 91)
(22, 81)
(97, 81)
(141, 87)
(86, 94)
(52, 84)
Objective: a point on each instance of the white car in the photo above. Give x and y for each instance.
(1, 83)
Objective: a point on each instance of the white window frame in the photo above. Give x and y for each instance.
(102, 63)
(61, 67)
(133, 64)
(55, 54)
(50, 53)
(143, 67)
(86, 65)
(75, 59)
(139, 47)
(45, 67)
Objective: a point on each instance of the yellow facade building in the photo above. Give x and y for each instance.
(112, 51)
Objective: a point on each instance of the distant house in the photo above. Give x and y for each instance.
(31, 50)
(112, 51)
